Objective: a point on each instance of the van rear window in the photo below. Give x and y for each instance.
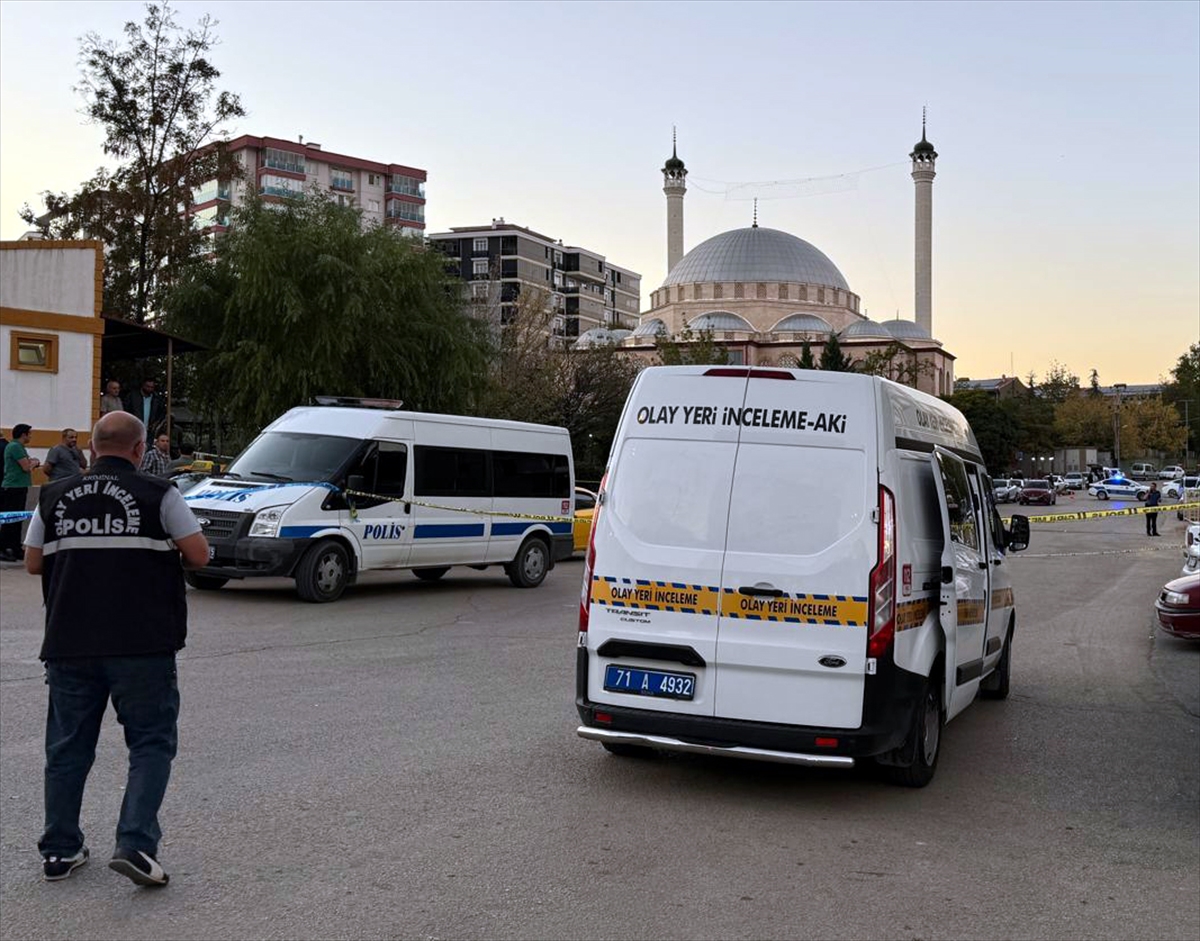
(796, 501)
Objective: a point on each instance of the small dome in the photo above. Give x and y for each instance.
(597, 336)
(863, 329)
(802, 323)
(923, 147)
(621, 334)
(650, 328)
(673, 163)
(719, 320)
(906, 330)
(756, 254)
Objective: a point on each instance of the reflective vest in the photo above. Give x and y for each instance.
(111, 579)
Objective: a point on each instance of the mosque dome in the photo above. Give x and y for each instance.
(599, 336)
(906, 330)
(650, 328)
(756, 254)
(802, 323)
(719, 320)
(863, 329)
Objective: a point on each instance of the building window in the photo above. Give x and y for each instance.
(739, 290)
(480, 291)
(762, 292)
(406, 185)
(373, 205)
(557, 257)
(718, 291)
(679, 293)
(698, 292)
(33, 352)
(373, 179)
(479, 266)
(479, 245)
(820, 295)
(783, 292)
(280, 186)
(341, 180)
(412, 212)
(283, 160)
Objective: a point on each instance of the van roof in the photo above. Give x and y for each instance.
(349, 422)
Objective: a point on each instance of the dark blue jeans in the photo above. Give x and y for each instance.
(145, 696)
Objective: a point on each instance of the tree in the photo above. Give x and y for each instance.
(154, 96)
(1150, 424)
(895, 361)
(300, 300)
(1094, 384)
(1183, 391)
(1059, 385)
(806, 357)
(994, 425)
(1085, 420)
(832, 357)
(691, 348)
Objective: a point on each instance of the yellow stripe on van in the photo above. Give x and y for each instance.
(833, 610)
(654, 595)
(1002, 598)
(910, 614)
(971, 611)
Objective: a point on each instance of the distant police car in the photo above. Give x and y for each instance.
(1120, 488)
(326, 492)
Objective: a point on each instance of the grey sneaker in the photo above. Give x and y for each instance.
(141, 867)
(55, 868)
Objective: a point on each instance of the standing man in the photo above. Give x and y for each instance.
(145, 405)
(66, 460)
(111, 400)
(99, 541)
(18, 478)
(157, 461)
(1153, 498)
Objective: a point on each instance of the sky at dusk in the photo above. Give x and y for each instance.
(1066, 207)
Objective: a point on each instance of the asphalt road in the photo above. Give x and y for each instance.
(403, 764)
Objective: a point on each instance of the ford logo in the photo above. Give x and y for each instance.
(203, 520)
(833, 662)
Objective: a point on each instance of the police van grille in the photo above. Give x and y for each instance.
(218, 524)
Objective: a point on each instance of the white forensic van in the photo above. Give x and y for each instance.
(444, 490)
(794, 566)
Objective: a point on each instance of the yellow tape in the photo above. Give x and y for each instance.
(654, 596)
(462, 509)
(1099, 514)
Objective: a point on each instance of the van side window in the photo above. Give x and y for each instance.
(518, 474)
(994, 520)
(391, 468)
(958, 500)
(450, 472)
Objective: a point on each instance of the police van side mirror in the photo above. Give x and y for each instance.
(356, 482)
(1017, 537)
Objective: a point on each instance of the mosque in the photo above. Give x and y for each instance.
(762, 293)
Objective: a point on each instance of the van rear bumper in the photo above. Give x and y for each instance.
(696, 748)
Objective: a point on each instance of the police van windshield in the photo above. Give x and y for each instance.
(288, 456)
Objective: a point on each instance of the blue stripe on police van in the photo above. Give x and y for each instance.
(299, 532)
(448, 530)
(516, 529)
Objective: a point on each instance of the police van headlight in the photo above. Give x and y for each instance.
(266, 522)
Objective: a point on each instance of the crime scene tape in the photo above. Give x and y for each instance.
(15, 517)
(1098, 514)
(1063, 555)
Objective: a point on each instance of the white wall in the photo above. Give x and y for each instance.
(52, 280)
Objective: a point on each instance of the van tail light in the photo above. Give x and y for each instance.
(882, 611)
(741, 372)
(589, 564)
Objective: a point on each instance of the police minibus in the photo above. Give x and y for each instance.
(794, 566)
(328, 491)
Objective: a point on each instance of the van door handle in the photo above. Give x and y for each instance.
(983, 565)
(763, 592)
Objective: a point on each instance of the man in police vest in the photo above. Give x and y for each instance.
(107, 544)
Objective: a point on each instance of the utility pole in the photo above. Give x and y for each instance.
(1120, 387)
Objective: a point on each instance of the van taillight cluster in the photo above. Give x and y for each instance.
(882, 616)
(589, 563)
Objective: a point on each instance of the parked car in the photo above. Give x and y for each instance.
(1173, 472)
(1191, 550)
(1174, 489)
(585, 507)
(1143, 471)
(1006, 490)
(1120, 487)
(1076, 480)
(1178, 607)
(1038, 491)
(1059, 483)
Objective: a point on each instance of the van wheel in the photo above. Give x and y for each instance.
(431, 575)
(627, 751)
(204, 582)
(923, 745)
(996, 685)
(323, 572)
(529, 567)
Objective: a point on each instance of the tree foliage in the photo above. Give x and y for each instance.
(806, 356)
(896, 362)
(832, 357)
(691, 348)
(1150, 425)
(994, 424)
(300, 301)
(1085, 421)
(155, 95)
(1183, 392)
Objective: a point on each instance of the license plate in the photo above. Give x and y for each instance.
(649, 683)
(212, 553)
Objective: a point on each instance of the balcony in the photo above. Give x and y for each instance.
(341, 185)
(406, 186)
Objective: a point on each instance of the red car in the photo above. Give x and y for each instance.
(1038, 491)
(1178, 607)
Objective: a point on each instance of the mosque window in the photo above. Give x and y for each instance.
(820, 295)
(679, 293)
(698, 292)
(739, 290)
(762, 292)
(718, 291)
(783, 292)
(803, 295)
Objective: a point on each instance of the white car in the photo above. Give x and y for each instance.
(1006, 490)
(1119, 487)
(1174, 490)
(1076, 480)
(1191, 550)
(1174, 472)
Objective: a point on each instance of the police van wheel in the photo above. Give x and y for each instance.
(996, 685)
(323, 572)
(204, 582)
(923, 745)
(529, 568)
(431, 575)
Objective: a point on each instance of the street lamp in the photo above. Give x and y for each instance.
(1120, 387)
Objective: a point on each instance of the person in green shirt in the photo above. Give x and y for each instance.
(18, 477)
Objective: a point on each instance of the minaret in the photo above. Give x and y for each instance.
(674, 185)
(923, 159)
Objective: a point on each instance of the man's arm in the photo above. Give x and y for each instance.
(193, 548)
(180, 523)
(35, 537)
(33, 560)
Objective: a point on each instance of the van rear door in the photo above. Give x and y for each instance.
(792, 636)
(659, 539)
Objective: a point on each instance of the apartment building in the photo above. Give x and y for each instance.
(500, 260)
(388, 193)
